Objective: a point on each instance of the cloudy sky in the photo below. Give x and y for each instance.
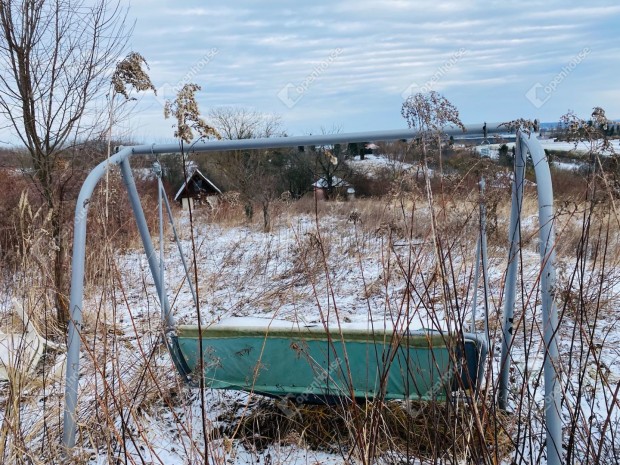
(351, 63)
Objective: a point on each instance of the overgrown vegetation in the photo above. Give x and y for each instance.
(400, 252)
(141, 406)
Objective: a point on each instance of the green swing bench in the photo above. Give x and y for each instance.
(314, 363)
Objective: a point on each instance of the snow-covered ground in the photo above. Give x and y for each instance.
(562, 146)
(281, 274)
(247, 273)
(357, 268)
(372, 164)
(492, 150)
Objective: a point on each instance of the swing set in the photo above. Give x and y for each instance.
(395, 363)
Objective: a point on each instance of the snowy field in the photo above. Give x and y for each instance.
(247, 273)
(356, 268)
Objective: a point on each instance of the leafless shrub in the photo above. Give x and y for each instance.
(417, 430)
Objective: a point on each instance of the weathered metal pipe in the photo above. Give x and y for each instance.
(527, 143)
(510, 286)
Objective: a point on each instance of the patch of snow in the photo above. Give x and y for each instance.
(374, 163)
(336, 182)
(265, 324)
(580, 147)
(563, 165)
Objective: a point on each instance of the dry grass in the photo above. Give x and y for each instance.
(127, 380)
(412, 430)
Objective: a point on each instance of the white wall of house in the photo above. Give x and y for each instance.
(185, 203)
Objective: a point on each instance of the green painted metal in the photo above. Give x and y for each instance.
(311, 362)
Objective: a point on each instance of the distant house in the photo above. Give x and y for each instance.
(198, 190)
(339, 187)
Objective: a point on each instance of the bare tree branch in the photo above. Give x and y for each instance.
(56, 57)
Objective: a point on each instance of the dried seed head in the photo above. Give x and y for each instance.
(185, 109)
(430, 113)
(519, 124)
(130, 74)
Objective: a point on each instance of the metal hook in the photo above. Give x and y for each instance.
(156, 165)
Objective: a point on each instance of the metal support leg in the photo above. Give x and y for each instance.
(145, 235)
(511, 276)
(485, 261)
(167, 317)
(474, 304)
(77, 294)
(551, 364)
(180, 249)
(481, 260)
(553, 422)
(75, 323)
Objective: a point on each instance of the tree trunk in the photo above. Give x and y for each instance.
(266, 217)
(249, 211)
(54, 70)
(60, 287)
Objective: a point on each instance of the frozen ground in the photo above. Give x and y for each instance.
(281, 274)
(304, 268)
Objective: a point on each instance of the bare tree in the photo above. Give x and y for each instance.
(257, 174)
(330, 169)
(56, 56)
(245, 123)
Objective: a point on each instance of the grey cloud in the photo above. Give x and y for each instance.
(386, 47)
